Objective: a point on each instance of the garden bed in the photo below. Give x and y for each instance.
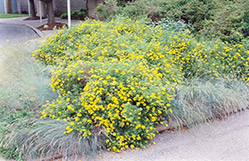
(110, 85)
(56, 25)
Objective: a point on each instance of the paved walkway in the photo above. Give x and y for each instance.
(220, 141)
(12, 34)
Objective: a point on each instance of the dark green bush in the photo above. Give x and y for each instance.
(76, 14)
(226, 20)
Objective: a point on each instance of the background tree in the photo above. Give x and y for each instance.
(8, 6)
(51, 18)
(32, 9)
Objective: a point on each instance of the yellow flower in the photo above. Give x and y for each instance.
(105, 82)
(76, 118)
(79, 114)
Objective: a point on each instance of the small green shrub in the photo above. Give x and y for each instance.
(107, 10)
(171, 25)
(76, 14)
(212, 18)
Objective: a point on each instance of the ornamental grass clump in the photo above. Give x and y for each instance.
(199, 101)
(119, 78)
(24, 88)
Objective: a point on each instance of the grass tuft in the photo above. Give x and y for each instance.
(24, 87)
(200, 101)
(45, 139)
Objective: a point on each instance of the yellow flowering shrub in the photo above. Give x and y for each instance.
(213, 59)
(127, 99)
(119, 77)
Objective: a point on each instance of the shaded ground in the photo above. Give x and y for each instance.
(12, 34)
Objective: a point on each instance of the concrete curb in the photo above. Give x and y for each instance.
(40, 33)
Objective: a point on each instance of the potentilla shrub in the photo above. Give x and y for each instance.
(118, 78)
(124, 98)
(123, 38)
(112, 80)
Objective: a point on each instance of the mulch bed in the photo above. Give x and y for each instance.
(56, 25)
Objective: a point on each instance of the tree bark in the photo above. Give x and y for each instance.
(51, 18)
(8, 6)
(32, 9)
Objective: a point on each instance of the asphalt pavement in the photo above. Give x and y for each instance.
(15, 31)
(11, 34)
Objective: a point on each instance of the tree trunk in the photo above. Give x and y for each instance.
(87, 5)
(32, 9)
(51, 18)
(8, 6)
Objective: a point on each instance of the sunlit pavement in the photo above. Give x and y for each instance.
(226, 140)
(11, 34)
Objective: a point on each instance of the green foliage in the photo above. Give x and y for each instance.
(172, 25)
(76, 14)
(25, 86)
(116, 82)
(223, 19)
(24, 82)
(107, 10)
(32, 138)
(227, 20)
